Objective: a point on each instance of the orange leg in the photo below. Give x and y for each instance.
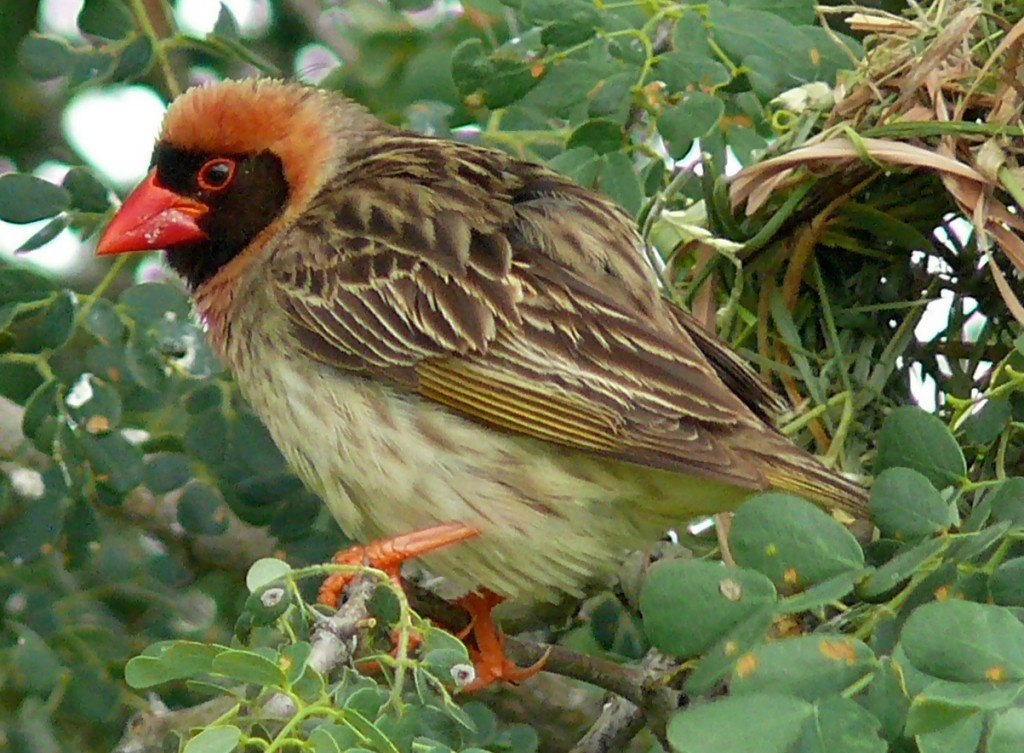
(389, 554)
(489, 655)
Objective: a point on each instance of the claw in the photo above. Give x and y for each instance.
(389, 554)
(489, 655)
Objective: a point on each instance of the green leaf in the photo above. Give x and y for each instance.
(821, 594)
(694, 118)
(564, 22)
(566, 83)
(201, 510)
(791, 541)
(171, 660)
(886, 699)
(906, 506)
(47, 233)
(333, 738)
(618, 180)
(18, 284)
(495, 80)
(268, 603)
(103, 321)
(600, 134)
(1006, 585)
(579, 164)
(154, 301)
(26, 198)
(220, 739)
(688, 605)
(226, 25)
(940, 704)
(963, 736)
(247, 666)
(841, 724)
(1006, 501)
(912, 438)
(898, 569)
(44, 57)
(164, 472)
(809, 667)
(265, 571)
(763, 722)
(794, 11)
(94, 405)
(1006, 733)
(115, 461)
(92, 65)
(985, 425)
(690, 70)
(611, 97)
(108, 19)
(87, 193)
(977, 642)
(135, 59)
(722, 657)
(42, 407)
(35, 666)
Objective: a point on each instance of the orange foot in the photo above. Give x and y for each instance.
(389, 554)
(489, 658)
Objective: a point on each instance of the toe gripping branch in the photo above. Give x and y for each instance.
(486, 642)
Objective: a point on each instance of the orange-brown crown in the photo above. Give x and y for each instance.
(252, 115)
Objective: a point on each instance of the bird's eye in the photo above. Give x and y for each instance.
(216, 174)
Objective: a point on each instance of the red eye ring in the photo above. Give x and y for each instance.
(216, 174)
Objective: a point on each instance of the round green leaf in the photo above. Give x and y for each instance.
(809, 667)
(105, 18)
(220, 739)
(600, 134)
(965, 642)
(115, 461)
(26, 198)
(165, 472)
(333, 738)
(762, 722)
(1006, 501)
(44, 57)
(693, 119)
(841, 725)
(791, 541)
(688, 605)
(618, 180)
(1006, 585)
(103, 321)
(1006, 733)
(264, 572)
(912, 438)
(985, 425)
(201, 510)
(905, 505)
(94, 405)
(136, 58)
(170, 660)
(248, 666)
(580, 164)
(268, 603)
(154, 301)
(495, 80)
(87, 193)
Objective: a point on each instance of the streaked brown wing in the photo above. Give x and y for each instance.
(513, 297)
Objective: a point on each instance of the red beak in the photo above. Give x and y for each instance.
(152, 217)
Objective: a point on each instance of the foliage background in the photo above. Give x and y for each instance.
(138, 489)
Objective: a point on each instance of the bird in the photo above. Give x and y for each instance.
(450, 343)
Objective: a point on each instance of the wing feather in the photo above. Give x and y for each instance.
(518, 299)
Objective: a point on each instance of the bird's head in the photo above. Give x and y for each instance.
(233, 161)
